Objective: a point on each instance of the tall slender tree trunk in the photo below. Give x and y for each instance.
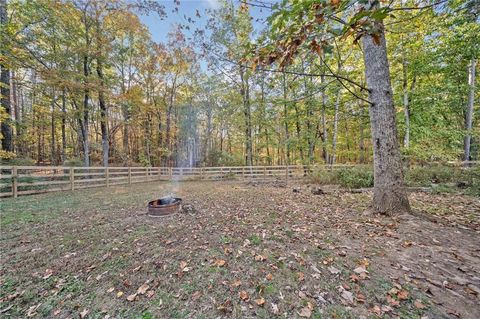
(169, 122)
(406, 110)
(103, 112)
(16, 111)
(310, 133)
(333, 156)
(299, 133)
(245, 91)
(64, 119)
(6, 128)
(324, 120)
(53, 158)
(389, 196)
(84, 122)
(285, 121)
(469, 111)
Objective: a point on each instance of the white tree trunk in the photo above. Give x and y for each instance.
(389, 193)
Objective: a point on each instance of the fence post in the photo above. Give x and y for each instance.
(264, 172)
(201, 173)
(147, 172)
(243, 172)
(14, 181)
(107, 176)
(286, 174)
(170, 173)
(72, 179)
(129, 175)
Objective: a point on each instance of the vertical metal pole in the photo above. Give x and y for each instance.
(129, 175)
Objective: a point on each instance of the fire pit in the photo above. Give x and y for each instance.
(164, 206)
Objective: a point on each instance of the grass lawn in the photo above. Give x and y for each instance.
(248, 250)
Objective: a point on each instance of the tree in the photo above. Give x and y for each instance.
(298, 24)
(6, 130)
(389, 194)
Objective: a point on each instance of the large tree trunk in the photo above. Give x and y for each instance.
(389, 195)
(469, 111)
(6, 127)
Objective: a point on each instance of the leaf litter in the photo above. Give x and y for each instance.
(261, 250)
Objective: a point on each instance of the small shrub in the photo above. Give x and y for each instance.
(356, 177)
(6, 156)
(427, 175)
(73, 162)
(323, 176)
(18, 161)
(472, 178)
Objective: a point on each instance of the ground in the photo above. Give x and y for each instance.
(247, 250)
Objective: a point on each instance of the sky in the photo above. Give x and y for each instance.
(159, 28)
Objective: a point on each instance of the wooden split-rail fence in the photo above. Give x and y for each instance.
(25, 180)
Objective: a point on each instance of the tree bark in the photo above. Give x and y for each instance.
(6, 128)
(324, 121)
(64, 119)
(469, 111)
(389, 195)
(16, 111)
(333, 156)
(103, 113)
(245, 92)
(53, 158)
(285, 121)
(406, 110)
(84, 123)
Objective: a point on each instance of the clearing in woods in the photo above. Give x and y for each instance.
(248, 250)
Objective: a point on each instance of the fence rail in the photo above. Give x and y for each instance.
(25, 180)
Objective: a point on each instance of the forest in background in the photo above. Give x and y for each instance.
(83, 83)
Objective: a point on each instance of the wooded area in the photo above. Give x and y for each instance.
(83, 82)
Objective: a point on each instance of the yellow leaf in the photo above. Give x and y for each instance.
(243, 295)
(260, 301)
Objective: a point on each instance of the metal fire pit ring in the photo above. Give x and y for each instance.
(164, 206)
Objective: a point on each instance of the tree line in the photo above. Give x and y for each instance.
(84, 83)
